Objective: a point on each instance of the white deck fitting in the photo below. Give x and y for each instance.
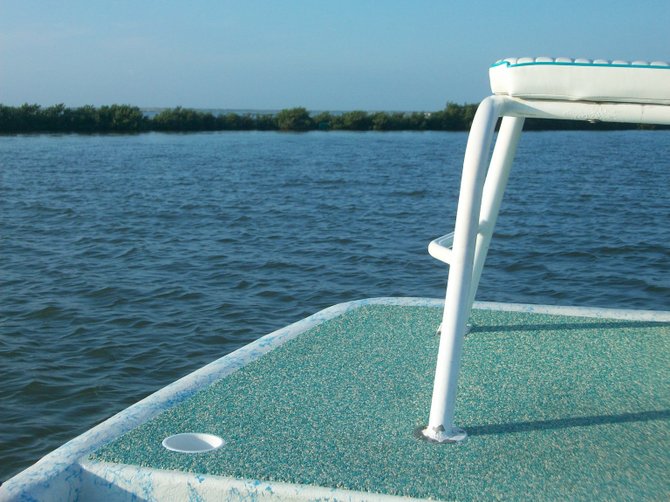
(550, 88)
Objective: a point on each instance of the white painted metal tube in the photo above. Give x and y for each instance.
(581, 110)
(440, 248)
(494, 189)
(440, 424)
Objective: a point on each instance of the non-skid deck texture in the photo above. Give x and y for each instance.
(555, 407)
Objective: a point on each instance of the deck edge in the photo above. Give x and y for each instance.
(119, 482)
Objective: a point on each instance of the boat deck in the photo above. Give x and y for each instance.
(559, 403)
(556, 407)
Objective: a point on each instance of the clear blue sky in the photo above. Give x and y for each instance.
(324, 55)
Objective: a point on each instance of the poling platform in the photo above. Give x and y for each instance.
(549, 88)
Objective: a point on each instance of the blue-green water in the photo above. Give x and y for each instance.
(128, 261)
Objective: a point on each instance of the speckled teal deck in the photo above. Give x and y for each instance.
(555, 407)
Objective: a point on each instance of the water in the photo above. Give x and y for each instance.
(127, 262)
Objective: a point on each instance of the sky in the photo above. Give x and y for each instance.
(390, 55)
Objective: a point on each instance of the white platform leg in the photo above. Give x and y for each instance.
(494, 189)
(440, 425)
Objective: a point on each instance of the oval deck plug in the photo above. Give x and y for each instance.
(192, 442)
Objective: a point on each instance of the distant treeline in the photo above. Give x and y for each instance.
(33, 118)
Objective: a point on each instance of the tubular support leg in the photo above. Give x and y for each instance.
(440, 425)
(494, 189)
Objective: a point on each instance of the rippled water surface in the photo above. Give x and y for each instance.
(127, 262)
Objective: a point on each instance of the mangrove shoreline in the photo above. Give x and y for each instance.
(125, 119)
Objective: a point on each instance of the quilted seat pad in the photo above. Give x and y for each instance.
(568, 79)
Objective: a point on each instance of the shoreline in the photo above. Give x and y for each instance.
(124, 119)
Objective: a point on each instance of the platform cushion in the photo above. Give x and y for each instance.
(582, 80)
